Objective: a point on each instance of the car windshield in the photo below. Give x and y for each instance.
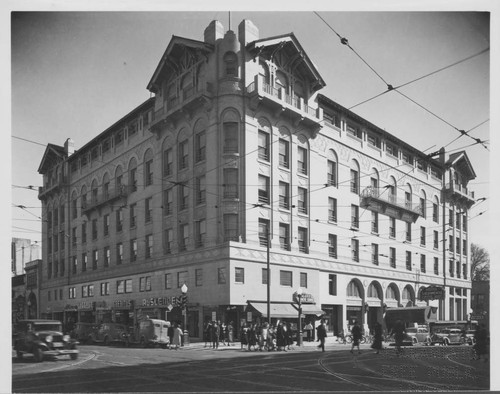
(48, 327)
(411, 330)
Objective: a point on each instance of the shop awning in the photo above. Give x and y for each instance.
(310, 309)
(280, 311)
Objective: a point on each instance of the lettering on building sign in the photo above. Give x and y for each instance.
(306, 298)
(162, 301)
(69, 307)
(86, 305)
(432, 293)
(122, 304)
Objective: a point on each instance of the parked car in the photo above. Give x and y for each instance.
(108, 333)
(84, 332)
(419, 335)
(469, 337)
(448, 336)
(43, 338)
(150, 332)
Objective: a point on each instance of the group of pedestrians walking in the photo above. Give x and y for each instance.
(259, 337)
(216, 332)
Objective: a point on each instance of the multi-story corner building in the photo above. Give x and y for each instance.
(239, 173)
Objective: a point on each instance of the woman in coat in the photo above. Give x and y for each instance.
(280, 337)
(177, 337)
(377, 337)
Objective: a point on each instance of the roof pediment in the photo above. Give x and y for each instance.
(298, 58)
(461, 162)
(53, 155)
(175, 48)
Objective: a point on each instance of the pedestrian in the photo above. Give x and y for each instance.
(215, 335)
(252, 338)
(264, 334)
(321, 335)
(230, 333)
(170, 334)
(177, 336)
(377, 337)
(356, 336)
(271, 338)
(222, 335)
(243, 336)
(309, 328)
(280, 337)
(206, 332)
(399, 334)
(287, 335)
(481, 345)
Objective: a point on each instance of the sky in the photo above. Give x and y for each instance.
(72, 74)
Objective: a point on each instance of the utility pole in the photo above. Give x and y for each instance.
(268, 275)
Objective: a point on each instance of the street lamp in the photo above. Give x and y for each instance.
(184, 290)
(299, 298)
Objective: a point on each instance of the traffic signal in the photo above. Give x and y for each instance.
(184, 299)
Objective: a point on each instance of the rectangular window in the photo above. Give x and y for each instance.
(422, 236)
(239, 275)
(354, 181)
(201, 146)
(149, 172)
(74, 264)
(302, 160)
(450, 243)
(183, 197)
(168, 281)
(332, 284)
(373, 141)
(408, 261)
(264, 276)
(284, 236)
(133, 179)
(84, 262)
(436, 265)
(124, 286)
(104, 288)
(119, 220)
(458, 220)
(457, 245)
(85, 292)
(106, 145)
(392, 257)
(354, 216)
(391, 150)
(392, 227)
(145, 283)
(375, 222)
(119, 253)
(168, 162)
(107, 256)
(230, 131)
(183, 237)
(423, 209)
(303, 280)
(200, 190)
(435, 213)
(84, 232)
(375, 254)
(407, 158)
(331, 177)
(422, 263)
(133, 215)
(286, 278)
(263, 148)
(450, 218)
(183, 154)
(133, 250)
(230, 186)
(198, 276)
(464, 247)
(149, 246)
(355, 249)
(105, 220)
(284, 195)
(168, 240)
(303, 240)
(332, 209)
(95, 259)
(284, 153)
(72, 293)
(436, 240)
(221, 275)
(302, 200)
(148, 209)
(200, 233)
(167, 202)
(231, 232)
(263, 189)
(182, 277)
(263, 232)
(408, 231)
(451, 268)
(332, 245)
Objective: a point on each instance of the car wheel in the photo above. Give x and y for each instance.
(74, 356)
(446, 342)
(38, 353)
(414, 340)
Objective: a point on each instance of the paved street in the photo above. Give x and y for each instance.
(199, 369)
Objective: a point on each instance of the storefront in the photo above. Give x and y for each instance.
(86, 312)
(103, 312)
(122, 311)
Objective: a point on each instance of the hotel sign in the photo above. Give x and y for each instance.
(432, 293)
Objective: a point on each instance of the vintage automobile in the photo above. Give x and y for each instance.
(469, 337)
(150, 332)
(419, 335)
(448, 336)
(84, 332)
(43, 338)
(108, 333)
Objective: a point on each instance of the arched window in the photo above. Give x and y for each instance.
(354, 177)
(264, 73)
(353, 290)
(390, 293)
(118, 180)
(373, 291)
(132, 175)
(94, 191)
(231, 62)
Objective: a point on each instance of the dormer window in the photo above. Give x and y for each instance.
(231, 63)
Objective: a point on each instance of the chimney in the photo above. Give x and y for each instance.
(69, 147)
(214, 32)
(247, 32)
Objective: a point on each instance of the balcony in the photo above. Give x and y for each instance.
(174, 108)
(282, 103)
(54, 187)
(387, 204)
(459, 194)
(102, 199)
